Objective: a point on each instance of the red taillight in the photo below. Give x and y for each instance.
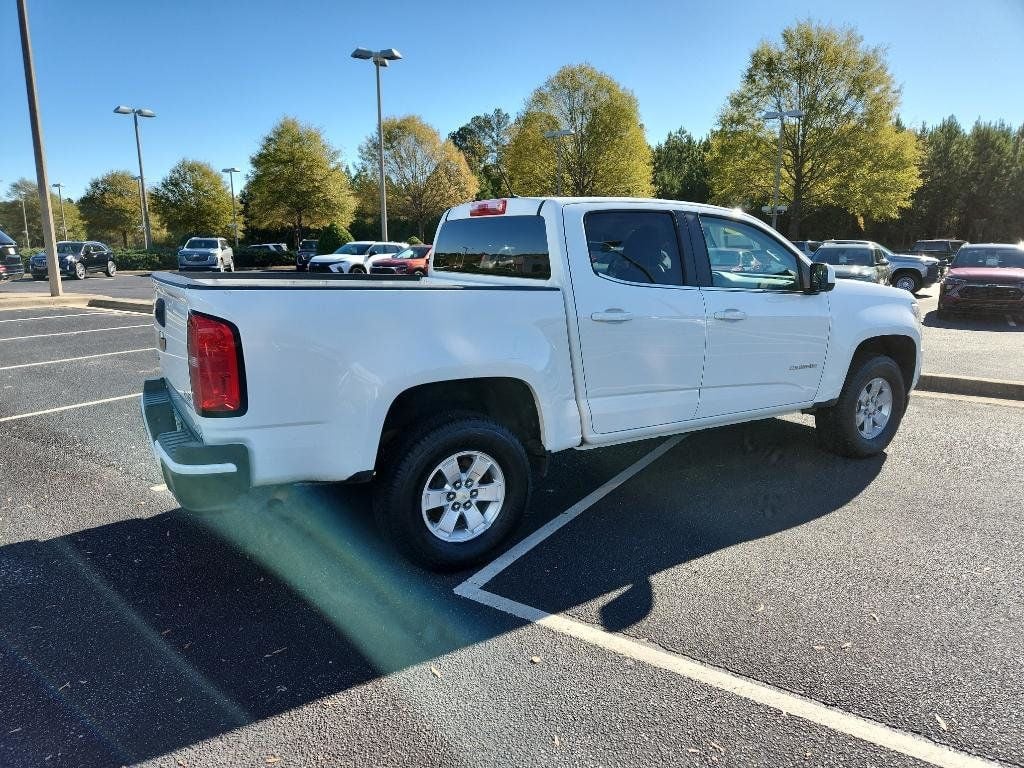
(488, 208)
(215, 366)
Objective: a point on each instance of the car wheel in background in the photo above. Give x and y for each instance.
(111, 269)
(453, 490)
(357, 270)
(907, 281)
(80, 271)
(867, 414)
(419, 273)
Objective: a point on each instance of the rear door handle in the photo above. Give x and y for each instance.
(731, 315)
(611, 316)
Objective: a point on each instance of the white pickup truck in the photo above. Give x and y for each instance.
(542, 325)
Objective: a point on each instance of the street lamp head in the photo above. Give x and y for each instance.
(771, 115)
(145, 113)
(559, 134)
(121, 109)
(797, 113)
(58, 185)
(391, 54)
(230, 170)
(362, 53)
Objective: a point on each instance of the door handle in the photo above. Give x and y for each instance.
(732, 315)
(611, 316)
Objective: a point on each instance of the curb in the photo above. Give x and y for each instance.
(34, 301)
(962, 385)
(126, 305)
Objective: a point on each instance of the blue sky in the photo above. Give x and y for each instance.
(219, 73)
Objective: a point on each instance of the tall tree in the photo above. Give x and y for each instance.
(939, 202)
(424, 174)
(681, 168)
(607, 153)
(482, 141)
(987, 183)
(297, 181)
(193, 199)
(847, 151)
(111, 207)
(12, 222)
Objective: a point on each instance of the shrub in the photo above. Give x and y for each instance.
(332, 238)
(246, 258)
(414, 241)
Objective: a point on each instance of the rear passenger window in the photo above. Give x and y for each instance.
(634, 246)
(508, 246)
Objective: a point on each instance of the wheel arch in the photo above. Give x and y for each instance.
(902, 349)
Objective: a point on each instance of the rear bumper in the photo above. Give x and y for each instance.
(202, 477)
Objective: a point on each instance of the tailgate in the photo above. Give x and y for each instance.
(170, 319)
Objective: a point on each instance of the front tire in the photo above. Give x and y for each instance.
(867, 414)
(111, 269)
(80, 271)
(453, 491)
(907, 282)
(357, 270)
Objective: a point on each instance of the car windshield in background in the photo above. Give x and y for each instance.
(69, 247)
(408, 253)
(844, 257)
(5, 240)
(510, 246)
(354, 249)
(989, 257)
(196, 243)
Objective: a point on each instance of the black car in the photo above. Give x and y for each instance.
(307, 250)
(11, 265)
(76, 258)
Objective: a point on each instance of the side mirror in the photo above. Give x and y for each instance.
(884, 262)
(822, 277)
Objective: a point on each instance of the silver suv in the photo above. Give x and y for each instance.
(206, 253)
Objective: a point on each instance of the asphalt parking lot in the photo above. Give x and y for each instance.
(736, 597)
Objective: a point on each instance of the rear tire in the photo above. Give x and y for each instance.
(111, 269)
(357, 270)
(848, 427)
(413, 470)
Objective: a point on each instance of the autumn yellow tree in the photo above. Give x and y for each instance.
(607, 153)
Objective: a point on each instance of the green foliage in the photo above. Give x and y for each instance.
(193, 199)
(681, 168)
(608, 153)
(414, 241)
(246, 258)
(12, 222)
(988, 196)
(847, 151)
(482, 141)
(425, 175)
(332, 238)
(297, 181)
(111, 208)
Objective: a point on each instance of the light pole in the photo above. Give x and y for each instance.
(380, 59)
(60, 196)
(781, 117)
(42, 182)
(136, 113)
(24, 218)
(234, 220)
(142, 224)
(557, 136)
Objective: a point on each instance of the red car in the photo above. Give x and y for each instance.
(984, 278)
(412, 261)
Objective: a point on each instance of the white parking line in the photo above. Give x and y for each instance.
(73, 359)
(69, 407)
(51, 317)
(753, 690)
(72, 333)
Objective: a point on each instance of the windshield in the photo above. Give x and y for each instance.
(990, 257)
(196, 242)
(844, 257)
(408, 253)
(69, 247)
(5, 240)
(930, 247)
(308, 244)
(357, 249)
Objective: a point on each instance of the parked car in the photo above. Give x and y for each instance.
(855, 260)
(943, 250)
(268, 247)
(909, 273)
(807, 247)
(76, 258)
(307, 250)
(357, 260)
(984, 277)
(412, 261)
(448, 390)
(206, 253)
(11, 265)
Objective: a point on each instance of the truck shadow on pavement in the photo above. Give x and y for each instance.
(135, 639)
